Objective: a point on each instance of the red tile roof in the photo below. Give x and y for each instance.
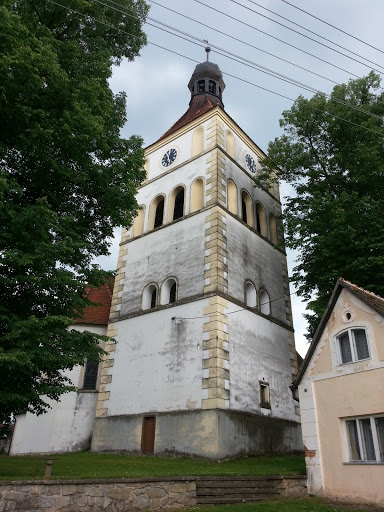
(98, 315)
(199, 106)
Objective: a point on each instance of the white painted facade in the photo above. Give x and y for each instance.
(67, 426)
(196, 366)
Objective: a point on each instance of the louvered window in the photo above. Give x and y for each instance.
(352, 346)
(178, 211)
(159, 214)
(258, 223)
(172, 293)
(90, 374)
(212, 87)
(153, 298)
(244, 210)
(201, 85)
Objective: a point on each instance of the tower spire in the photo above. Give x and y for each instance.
(207, 80)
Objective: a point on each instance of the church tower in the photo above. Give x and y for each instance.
(201, 312)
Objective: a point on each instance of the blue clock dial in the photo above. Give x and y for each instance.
(251, 164)
(169, 157)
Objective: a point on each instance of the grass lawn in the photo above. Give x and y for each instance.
(96, 465)
(288, 505)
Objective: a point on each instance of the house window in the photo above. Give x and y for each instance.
(90, 374)
(264, 396)
(352, 346)
(365, 438)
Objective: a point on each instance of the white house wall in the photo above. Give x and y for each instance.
(67, 426)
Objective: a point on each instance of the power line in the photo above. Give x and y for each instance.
(228, 74)
(311, 38)
(278, 39)
(333, 26)
(243, 42)
(311, 31)
(240, 59)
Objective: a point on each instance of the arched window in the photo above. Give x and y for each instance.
(201, 86)
(261, 220)
(232, 197)
(178, 210)
(156, 213)
(230, 144)
(212, 87)
(198, 141)
(169, 291)
(273, 229)
(149, 299)
(153, 299)
(138, 223)
(172, 294)
(197, 195)
(250, 295)
(176, 204)
(265, 304)
(246, 208)
(159, 214)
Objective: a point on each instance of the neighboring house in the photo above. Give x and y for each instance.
(68, 425)
(341, 391)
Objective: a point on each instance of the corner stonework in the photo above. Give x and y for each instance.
(110, 347)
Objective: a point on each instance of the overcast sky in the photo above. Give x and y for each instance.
(156, 82)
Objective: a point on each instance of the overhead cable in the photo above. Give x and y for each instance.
(243, 42)
(226, 73)
(242, 60)
(333, 26)
(311, 38)
(278, 39)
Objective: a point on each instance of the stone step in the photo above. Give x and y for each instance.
(220, 484)
(231, 499)
(242, 492)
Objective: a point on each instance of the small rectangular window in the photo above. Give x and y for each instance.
(352, 346)
(264, 395)
(90, 374)
(365, 438)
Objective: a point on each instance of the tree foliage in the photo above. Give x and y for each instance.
(335, 218)
(67, 179)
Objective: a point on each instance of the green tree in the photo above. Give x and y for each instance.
(335, 217)
(67, 179)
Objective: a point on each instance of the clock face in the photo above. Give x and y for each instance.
(169, 157)
(251, 164)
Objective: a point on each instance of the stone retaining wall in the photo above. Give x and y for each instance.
(111, 495)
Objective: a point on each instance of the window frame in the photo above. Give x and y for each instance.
(264, 404)
(361, 441)
(352, 345)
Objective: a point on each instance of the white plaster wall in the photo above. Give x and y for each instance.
(259, 351)
(311, 437)
(183, 144)
(177, 250)
(68, 424)
(252, 258)
(158, 362)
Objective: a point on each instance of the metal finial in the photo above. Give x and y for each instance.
(207, 49)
